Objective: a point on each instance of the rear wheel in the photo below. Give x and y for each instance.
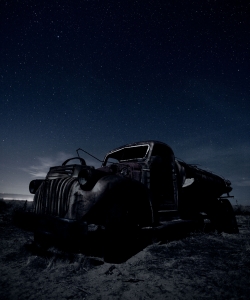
(228, 221)
(222, 216)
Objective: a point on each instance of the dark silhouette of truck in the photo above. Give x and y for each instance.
(140, 189)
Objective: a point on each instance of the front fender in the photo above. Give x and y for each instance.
(82, 201)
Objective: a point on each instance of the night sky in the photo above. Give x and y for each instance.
(100, 74)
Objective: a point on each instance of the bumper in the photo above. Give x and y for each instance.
(53, 228)
(49, 230)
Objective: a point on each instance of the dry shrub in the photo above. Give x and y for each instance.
(242, 210)
(3, 205)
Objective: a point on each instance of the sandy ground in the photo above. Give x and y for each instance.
(199, 266)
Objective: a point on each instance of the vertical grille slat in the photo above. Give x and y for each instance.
(53, 196)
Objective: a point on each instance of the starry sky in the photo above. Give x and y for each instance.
(98, 74)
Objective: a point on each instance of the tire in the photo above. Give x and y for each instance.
(120, 233)
(124, 210)
(221, 215)
(42, 240)
(228, 221)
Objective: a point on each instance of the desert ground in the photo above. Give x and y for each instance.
(198, 266)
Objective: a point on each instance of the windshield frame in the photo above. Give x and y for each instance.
(109, 155)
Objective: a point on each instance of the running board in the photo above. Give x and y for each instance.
(173, 229)
(167, 215)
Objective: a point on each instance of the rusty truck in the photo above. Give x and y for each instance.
(139, 189)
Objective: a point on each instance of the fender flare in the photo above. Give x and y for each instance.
(121, 189)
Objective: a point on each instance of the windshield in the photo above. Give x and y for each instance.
(129, 153)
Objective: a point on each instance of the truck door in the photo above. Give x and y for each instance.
(163, 184)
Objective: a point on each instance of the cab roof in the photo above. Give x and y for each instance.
(148, 142)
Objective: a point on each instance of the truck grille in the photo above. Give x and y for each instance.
(53, 196)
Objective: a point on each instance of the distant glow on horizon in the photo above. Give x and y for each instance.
(27, 199)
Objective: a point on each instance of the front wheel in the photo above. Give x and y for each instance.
(42, 240)
(120, 234)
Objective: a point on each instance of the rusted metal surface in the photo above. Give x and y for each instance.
(144, 178)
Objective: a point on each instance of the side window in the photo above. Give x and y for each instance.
(163, 152)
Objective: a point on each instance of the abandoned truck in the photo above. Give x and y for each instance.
(139, 187)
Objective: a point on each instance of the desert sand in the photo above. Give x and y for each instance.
(198, 266)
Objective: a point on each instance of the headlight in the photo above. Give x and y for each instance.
(82, 180)
(85, 175)
(34, 185)
(89, 176)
